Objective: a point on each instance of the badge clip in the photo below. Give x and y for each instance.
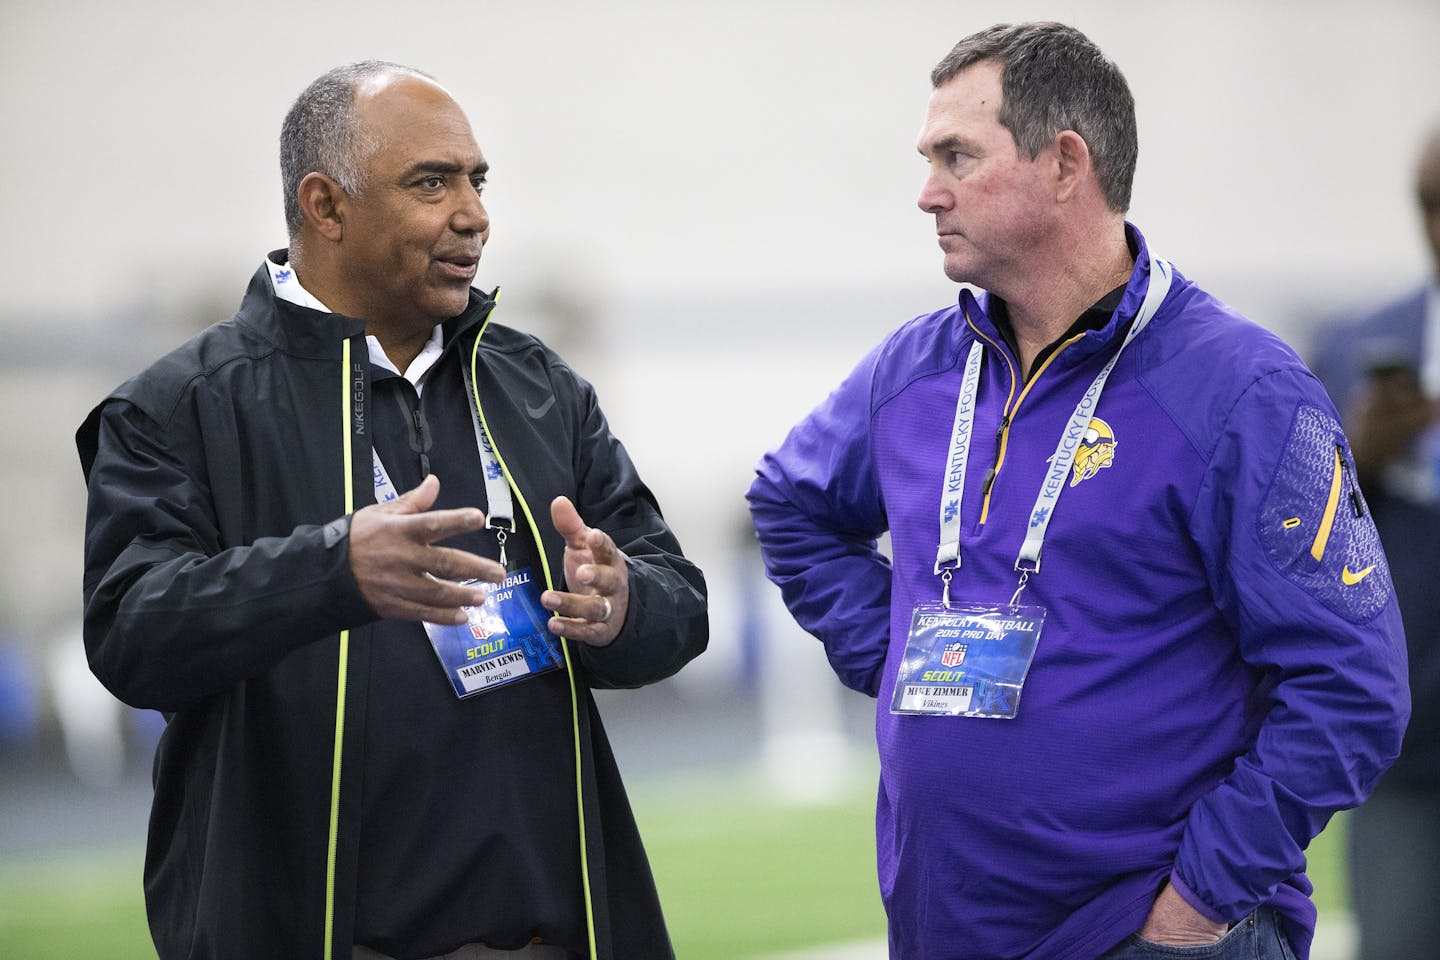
(503, 528)
(1015, 598)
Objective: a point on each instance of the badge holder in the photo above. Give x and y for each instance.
(505, 639)
(967, 659)
(502, 641)
(970, 659)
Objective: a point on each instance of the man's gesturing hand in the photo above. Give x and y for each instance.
(595, 569)
(402, 574)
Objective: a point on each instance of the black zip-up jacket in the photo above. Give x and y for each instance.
(318, 783)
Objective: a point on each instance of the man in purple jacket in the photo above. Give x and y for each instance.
(1133, 652)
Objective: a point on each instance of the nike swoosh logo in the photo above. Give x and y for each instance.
(1351, 579)
(537, 412)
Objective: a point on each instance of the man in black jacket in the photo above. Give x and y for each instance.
(381, 740)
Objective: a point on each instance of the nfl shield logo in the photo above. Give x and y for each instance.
(953, 655)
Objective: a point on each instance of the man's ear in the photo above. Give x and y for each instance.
(321, 201)
(1073, 163)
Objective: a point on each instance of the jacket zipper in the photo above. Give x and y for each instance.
(1339, 478)
(564, 643)
(1002, 435)
(342, 670)
(1332, 502)
(1357, 503)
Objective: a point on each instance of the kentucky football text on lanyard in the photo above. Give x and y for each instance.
(970, 659)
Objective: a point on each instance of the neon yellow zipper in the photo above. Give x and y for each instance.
(333, 842)
(564, 643)
(342, 671)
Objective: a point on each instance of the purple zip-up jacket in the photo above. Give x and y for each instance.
(1222, 665)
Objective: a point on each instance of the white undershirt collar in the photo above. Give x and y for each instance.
(287, 287)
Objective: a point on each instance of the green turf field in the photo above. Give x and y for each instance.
(740, 876)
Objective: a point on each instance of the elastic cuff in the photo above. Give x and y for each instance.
(1190, 897)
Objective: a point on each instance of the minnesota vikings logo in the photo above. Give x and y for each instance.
(1097, 451)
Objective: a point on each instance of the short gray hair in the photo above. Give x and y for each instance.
(1053, 78)
(322, 134)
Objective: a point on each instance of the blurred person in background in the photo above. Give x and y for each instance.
(1383, 369)
(380, 742)
(1127, 749)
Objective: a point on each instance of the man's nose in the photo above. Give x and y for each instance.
(470, 215)
(933, 197)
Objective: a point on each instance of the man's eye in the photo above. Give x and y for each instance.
(478, 183)
(433, 183)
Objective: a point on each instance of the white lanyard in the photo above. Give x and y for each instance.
(384, 489)
(500, 512)
(947, 555)
(953, 492)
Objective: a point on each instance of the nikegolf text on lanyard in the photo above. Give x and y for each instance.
(968, 658)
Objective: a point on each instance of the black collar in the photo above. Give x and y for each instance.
(1094, 318)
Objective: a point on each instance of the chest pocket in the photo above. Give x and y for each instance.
(1315, 525)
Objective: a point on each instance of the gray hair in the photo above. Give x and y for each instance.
(322, 134)
(1053, 78)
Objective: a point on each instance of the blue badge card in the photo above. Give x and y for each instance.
(967, 659)
(504, 640)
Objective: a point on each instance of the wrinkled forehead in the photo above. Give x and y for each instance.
(963, 110)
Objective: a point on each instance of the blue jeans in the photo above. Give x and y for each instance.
(1257, 937)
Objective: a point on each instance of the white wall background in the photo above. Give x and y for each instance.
(709, 207)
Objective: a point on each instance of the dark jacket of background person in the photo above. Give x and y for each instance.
(1393, 334)
(218, 590)
(1372, 366)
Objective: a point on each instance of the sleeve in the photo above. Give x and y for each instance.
(172, 617)
(667, 623)
(817, 510)
(1296, 567)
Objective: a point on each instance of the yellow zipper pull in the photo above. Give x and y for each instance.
(1327, 519)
